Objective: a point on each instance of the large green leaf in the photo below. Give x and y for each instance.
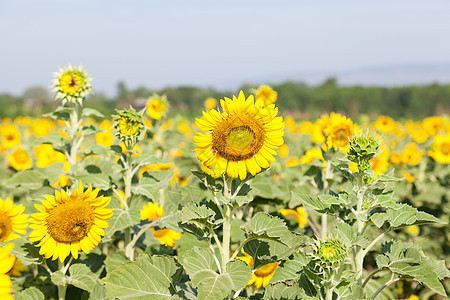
(31, 293)
(201, 267)
(285, 291)
(101, 181)
(122, 219)
(148, 277)
(291, 268)
(150, 184)
(80, 276)
(115, 260)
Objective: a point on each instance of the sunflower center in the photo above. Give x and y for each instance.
(445, 148)
(238, 138)
(5, 226)
(70, 221)
(128, 127)
(9, 137)
(70, 83)
(266, 270)
(341, 135)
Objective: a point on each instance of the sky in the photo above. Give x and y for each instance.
(213, 43)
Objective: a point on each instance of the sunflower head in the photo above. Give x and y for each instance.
(129, 126)
(440, 149)
(157, 106)
(72, 84)
(12, 221)
(267, 94)
(68, 223)
(330, 252)
(240, 139)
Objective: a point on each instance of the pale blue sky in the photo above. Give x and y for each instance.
(213, 43)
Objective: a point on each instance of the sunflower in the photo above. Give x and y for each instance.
(129, 125)
(151, 212)
(19, 159)
(210, 103)
(261, 277)
(290, 124)
(339, 130)
(440, 149)
(46, 156)
(306, 127)
(318, 131)
(311, 155)
(104, 138)
(283, 151)
(157, 106)
(166, 236)
(241, 139)
(299, 214)
(411, 155)
(385, 124)
(72, 84)
(6, 264)
(12, 221)
(433, 125)
(292, 162)
(69, 223)
(267, 94)
(10, 137)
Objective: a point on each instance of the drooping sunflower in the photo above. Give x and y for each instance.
(12, 221)
(241, 139)
(6, 264)
(261, 277)
(166, 236)
(72, 84)
(69, 223)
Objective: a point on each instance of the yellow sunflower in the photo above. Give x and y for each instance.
(312, 155)
(411, 154)
(241, 139)
(290, 124)
(267, 94)
(6, 264)
(306, 127)
(210, 103)
(433, 125)
(46, 155)
(151, 212)
(440, 149)
(299, 214)
(19, 159)
(261, 277)
(283, 151)
(72, 84)
(318, 131)
(339, 130)
(385, 124)
(157, 106)
(12, 221)
(69, 223)
(104, 138)
(292, 162)
(10, 137)
(166, 236)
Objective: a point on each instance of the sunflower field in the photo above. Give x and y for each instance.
(244, 202)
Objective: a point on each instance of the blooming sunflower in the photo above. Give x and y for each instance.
(433, 125)
(385, 124)
(6, 264)
(69, 223)
(318, 131)
(241, 139)
(157, 106)
(12, 221)
(72, 84)
(311, 155)
(10, 137)
(151, 212)
(411, 154)
(440, 149)
(283, 151)
(339, 130)
(19, 159)
(267, 94)
(210, 103)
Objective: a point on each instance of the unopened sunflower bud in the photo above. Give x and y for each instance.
(72, 84)
(129, 125)
(363, 148)
(330, 252)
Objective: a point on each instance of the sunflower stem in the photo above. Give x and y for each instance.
(127, 180)
(62, 287)
(75, 123)
(226, 237)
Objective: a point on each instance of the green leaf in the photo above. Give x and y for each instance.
(194, 212)
(115, 260)
(266, 226)
(90, 112)
(30, 293)
(101, 181)
(285, 291)
(90, 130)
(95, 149)
(122, 219)
(387, 178)
(150, 184)
(31, 179)
(201, 267)
(290, 269)
(378, 219)
(25, 251)
(311, 202)
(425, 218)
(147, 159)
(80, 276)
(148, 277)
(402, 215)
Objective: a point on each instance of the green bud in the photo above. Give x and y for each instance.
(129, 125)
(330, 252)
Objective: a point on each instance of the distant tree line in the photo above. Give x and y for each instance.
(297, 98)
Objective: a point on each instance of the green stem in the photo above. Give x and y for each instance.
(359, 259)
(129, 250)
(74, 127)
(226, 237)
(62, 288)
(127, 181)
(325, 176)
(392, 280)
(371, 275)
